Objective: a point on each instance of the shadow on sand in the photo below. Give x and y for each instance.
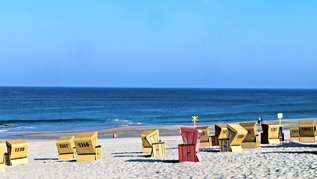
(115, 153)
(291, 145)
(54, 159)
(152, 160)
(292, 152)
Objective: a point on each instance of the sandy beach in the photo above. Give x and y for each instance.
(122, 158)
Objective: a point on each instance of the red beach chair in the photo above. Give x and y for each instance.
(189, 150)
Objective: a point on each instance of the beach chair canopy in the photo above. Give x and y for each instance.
(251, 128)
(65, 144)
(154, 133)
(17, 148)
(221, 131)
(86, 142)
(152, 137)
(306, 128)
(294, 132)
(204, 137)
(236, 134)
(190, 135)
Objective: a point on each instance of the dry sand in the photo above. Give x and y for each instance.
(122, 158)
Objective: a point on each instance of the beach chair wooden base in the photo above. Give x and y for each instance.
(294, 139)
(214, 140)
(2, 167)
(90, 157)
(14, 162)
(158, 149)
(235, 149)
(274, 141)
(224, 145)
(147, 150)
(66, 156)
(307, 139)
(249, 145)
(188, 153)
(205, 144)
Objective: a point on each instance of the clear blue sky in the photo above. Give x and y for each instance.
(165, 43)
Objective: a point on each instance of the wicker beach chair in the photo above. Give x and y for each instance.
(221, 132)
(17, 152)
(236, 135)
(294, 134)
(66, 148)
(205, 139)
(270, 134)
(157, 146)
(2, 158)
(87, 147)
(252, 139)
(189, 150)
(146, 146)
(306, 131)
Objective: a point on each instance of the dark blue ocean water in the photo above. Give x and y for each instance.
(28, 109)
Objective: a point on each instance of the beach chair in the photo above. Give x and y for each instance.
(66, 148)
(87, 147)
(147, 148)
(270, 134)
(236, 135)
(220, 133)
(189, 150)
(158, 147)
(294, 134)
(252, 139)
(2, 158)
(205, 139)
(17, 152)
(306, 131)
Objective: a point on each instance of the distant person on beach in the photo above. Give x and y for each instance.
(260, 120)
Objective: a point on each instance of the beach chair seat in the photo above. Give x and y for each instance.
(66, 148)
(17, 152)
(252, 139)
(157, 146)
(270, 134)
(306, 131)
(221, 132)
(294, 134)
(87, 147)
(236, 135)
(205, 139)
(189, 150)
(146, 146)
(2, 158)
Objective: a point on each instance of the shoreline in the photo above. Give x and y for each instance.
(135, 131)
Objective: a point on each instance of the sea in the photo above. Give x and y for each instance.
(25, 110)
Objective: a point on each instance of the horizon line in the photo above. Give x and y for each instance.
(144, 87)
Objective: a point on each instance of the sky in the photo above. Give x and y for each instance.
(166, 43)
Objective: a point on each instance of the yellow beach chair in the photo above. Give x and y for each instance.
(294, 134)
(236, 135)
(2, 158)
(87, 147)
(252, 139)
(205, 139)
(66, 148)
(158, 147)
(147, 148)
(306, 131)
(270, 134)
(220, 133)
(17, 152)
